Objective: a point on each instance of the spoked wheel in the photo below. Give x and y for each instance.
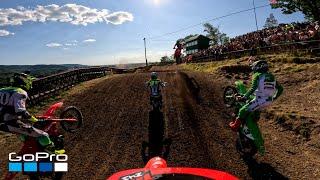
(229, 96)
(71, 112)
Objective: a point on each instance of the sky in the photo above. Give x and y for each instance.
(104, 32)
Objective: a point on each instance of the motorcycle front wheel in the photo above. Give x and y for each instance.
(229, 96)
(71, 112)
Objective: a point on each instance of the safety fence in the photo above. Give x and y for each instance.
(47, 87)
(50, 86)
(312, 47)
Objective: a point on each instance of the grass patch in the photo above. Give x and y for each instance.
(210, 67)
(278, 63)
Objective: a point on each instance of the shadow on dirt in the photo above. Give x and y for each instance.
(193, 86)
(157, 144)
(262, 171)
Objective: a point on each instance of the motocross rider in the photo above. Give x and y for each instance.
(14, 116)
(265, 89)
(154, 84)
(178, 46)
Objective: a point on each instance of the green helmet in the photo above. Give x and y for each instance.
(22, 81)
(154, 76)
(260, 66)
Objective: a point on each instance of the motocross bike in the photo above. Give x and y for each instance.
(250, 140)
(162, 149)
(177, 55)
(157, 168)
(70, 120)
(156, 100)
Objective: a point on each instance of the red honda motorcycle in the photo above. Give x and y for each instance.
(70, 120)
(157, 168)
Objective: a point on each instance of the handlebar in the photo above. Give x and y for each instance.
(240, 98)
(165, 84)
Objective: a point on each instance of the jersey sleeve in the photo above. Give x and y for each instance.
(161, 83)
(279, 90)
(20, 102)
(254, 84)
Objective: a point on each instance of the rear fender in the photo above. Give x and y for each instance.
(50, 112)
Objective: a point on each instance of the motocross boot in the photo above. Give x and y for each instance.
(234, 125)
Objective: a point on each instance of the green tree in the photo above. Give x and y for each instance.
(212, 33)
(271, 21)
(215, 35)
(310, 8)
(165, 59)
(223, 38)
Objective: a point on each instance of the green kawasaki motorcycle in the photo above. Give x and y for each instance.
(250, 140)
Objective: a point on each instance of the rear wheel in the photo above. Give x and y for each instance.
(71, 112)
(229, 96)
(156, 104)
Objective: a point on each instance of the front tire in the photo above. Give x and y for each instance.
(71, 112)
(229, 96)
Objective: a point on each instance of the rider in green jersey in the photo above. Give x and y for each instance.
(265, 89)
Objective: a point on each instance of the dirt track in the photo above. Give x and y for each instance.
(116, 113)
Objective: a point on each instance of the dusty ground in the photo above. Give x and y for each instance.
(116, 113)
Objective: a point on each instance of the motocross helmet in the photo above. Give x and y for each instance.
(154, 76)
(22, 81)
(260, 66)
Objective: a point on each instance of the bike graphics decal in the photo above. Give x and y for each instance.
(133, 176)
(140, 174)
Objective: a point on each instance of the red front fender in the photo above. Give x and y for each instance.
(157, 167)
(50, 112)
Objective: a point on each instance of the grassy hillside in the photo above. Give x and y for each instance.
(297, 110)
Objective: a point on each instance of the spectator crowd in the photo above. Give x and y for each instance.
(284, 33)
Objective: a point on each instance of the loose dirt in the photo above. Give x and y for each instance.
(116, 122)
